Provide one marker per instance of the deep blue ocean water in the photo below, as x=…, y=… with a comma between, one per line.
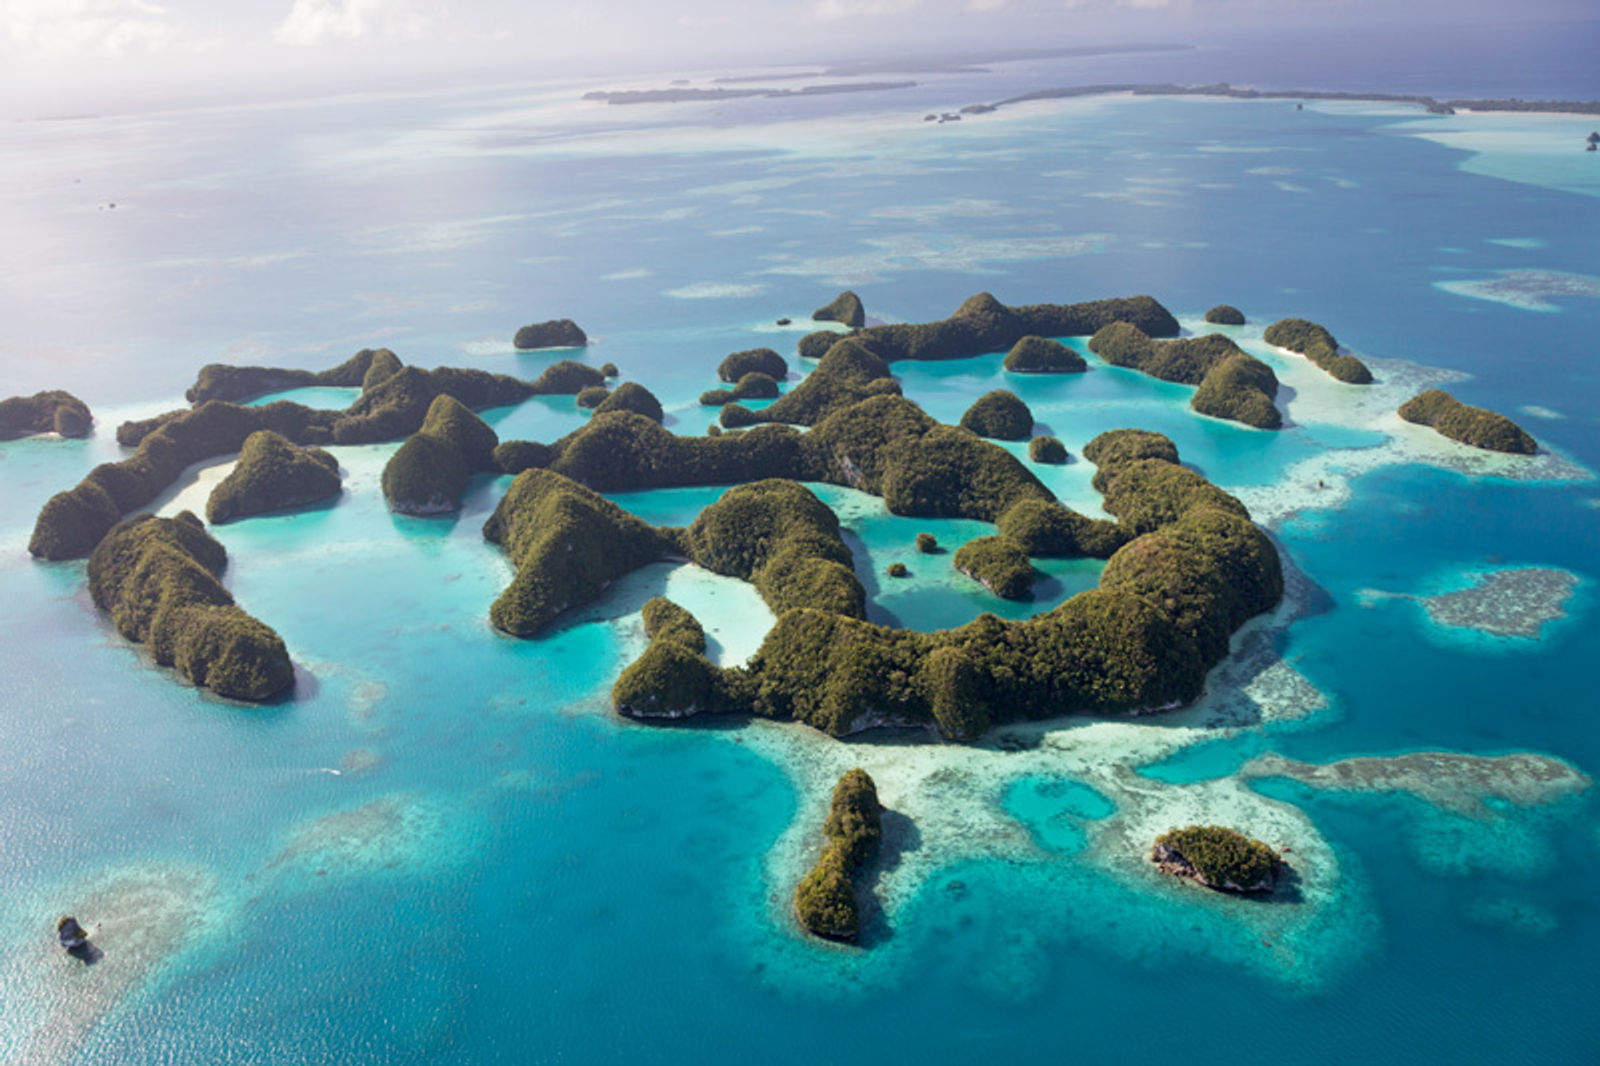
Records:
x=501, y=870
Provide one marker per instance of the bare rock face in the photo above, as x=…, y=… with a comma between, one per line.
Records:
x=556, y=333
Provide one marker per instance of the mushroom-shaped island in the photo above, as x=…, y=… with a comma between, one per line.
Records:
x=631, y=396
x=1000, y=415
x=273, y=474
x=556, y=333
x=1225, y=315
x=54, y=411
x=1047, y=450
x=754, y=361
x=591, y=397
x=1040, y=355
x=1219, y=858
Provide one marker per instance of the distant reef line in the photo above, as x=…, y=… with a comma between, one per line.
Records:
x=679, y=94
x=1431, y=104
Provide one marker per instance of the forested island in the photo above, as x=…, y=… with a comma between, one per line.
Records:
x=1185, y=565
x=826, y=900
x=54, y=411
x=159, y=580
x=1470, y=425
x=1218, y=858
x=273, y=474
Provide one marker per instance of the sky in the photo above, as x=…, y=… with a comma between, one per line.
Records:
x=57, y=55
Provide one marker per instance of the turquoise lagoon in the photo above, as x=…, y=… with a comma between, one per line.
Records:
x=444, y=848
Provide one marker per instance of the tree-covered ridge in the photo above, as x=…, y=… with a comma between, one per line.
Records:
x=825, y=899
x=673, y=678
x=273, y=474
x=394, y=403
x=236, y=384
x=885, y=445
x=430, y=471
x=753, y=386
x=847, y=374
x=783, y=540
x=1218, y=857
x=1196, y=569
x=159, y=580
x=1318, y=345
x=983, y=324
x=1232, y=384
x=567, y=544
x=1475, y=426
x=53, y=411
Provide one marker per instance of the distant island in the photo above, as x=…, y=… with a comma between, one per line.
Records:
x=686, y=95
x=1430, y=104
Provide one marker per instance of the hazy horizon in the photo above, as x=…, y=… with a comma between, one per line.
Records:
x=62, y=56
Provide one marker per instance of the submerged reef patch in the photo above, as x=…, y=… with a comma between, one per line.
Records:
x=1452, y=781
x=1506, y=603
x=1528, y=290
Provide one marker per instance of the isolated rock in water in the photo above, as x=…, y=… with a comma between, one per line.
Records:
x=71, y=934
x=845, y=308
x=557, y=333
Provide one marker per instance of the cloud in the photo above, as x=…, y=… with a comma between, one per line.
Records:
x=833, y=10
x=314, y=22
x=87, y=27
